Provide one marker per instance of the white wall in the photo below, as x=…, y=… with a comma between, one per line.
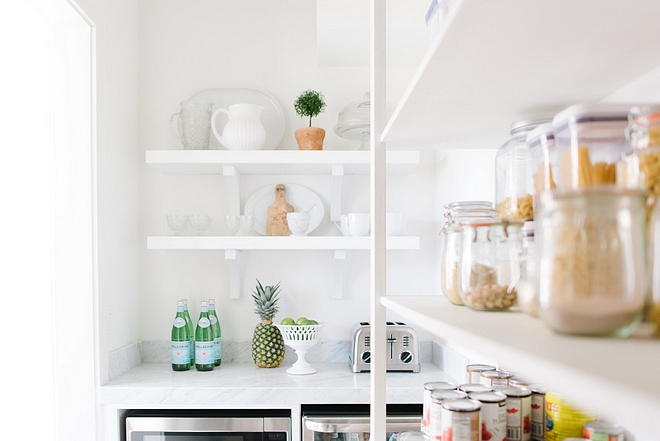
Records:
x=199, y=44
x=117, y=158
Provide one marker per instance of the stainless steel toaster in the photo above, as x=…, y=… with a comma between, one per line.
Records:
x=402, y=348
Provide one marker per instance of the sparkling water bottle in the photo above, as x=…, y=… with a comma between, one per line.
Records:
x=217, y=332
x=180, y=341
x=204, y=354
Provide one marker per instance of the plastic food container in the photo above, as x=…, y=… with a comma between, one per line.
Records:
x=490, y=265
x=591, y=261
x=513, y=184
x=541, y=144
x=596, y=430
x=589, y=141
x=456, y=214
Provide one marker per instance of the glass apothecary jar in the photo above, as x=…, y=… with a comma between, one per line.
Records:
x=456, y=214
x=490, y=265
x=589, y=141
x=541, y=144
x=513, y=184
x=590, y=259
x=527, y=285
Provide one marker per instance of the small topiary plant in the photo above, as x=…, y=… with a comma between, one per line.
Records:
x=309, y=104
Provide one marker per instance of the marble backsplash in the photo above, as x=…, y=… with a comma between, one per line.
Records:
x=326, y=351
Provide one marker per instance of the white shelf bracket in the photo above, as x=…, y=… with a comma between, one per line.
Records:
x=335, y=192
x=338, y=269
x=234, y=259
x=233, y=177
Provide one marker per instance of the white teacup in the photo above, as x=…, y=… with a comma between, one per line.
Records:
x=343, y=225
x=393, y=224
x=298, y=223
x=359, y=224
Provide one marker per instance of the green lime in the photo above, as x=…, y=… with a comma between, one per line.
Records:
x=300, y=320
x=309, y=323
x=288, y=321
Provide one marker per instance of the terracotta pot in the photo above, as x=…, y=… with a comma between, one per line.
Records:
x=310, y=138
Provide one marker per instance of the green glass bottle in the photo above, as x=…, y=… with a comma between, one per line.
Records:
x=191, y=330
x=204, y=354
x=180, y=341
x=217, y=332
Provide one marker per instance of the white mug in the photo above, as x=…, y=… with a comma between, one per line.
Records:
x=343, y=225
x=393, y=223
x=359, y=224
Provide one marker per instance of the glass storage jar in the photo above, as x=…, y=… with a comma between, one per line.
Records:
x=527, y=285
x=513, y=183
x=590, y=259
x=589, y=141
x=541, y=144
x=490, y=264
x=456, y=214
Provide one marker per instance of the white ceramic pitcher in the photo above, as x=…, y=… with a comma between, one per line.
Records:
x=244, y=130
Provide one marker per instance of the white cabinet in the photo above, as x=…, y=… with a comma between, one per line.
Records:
x=493, y=63
x=234, y=164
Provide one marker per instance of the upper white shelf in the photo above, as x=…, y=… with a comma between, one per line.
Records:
x=498, y=62
x=284, y=162
x=275, y=243
x=616, y=378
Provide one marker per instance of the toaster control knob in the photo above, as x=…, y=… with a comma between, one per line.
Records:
x=366, y=357
x=406, y=357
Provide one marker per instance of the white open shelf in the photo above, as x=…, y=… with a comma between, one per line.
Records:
x=498, y=62
x=245, y=243
x=281, y=162
x=616, y=378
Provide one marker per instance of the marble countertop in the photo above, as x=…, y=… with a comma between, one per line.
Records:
x=246, y=385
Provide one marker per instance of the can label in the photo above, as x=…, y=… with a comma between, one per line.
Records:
x=460, y=426
x=538, y=417
x=435, y=421
x=518, y=418
x=179, y=322
x=180, y=352
x=563, y=420
x=217, y=348
x=426, y=412
x=493, y=421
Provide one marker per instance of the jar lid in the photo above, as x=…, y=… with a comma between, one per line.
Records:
x=603, y=427
x=438, y=396
x=528, y=124
x=479, y=367
x=439, y=385
x=411, y=436
x=474, y=387
x=488, y=397
x=595, y=112
x=468, y=204
x=518, y=382
x=542, y=133
x=494, y=223
x=496, y=374
x=355, y=118
x=462, y=405
x=517, y=392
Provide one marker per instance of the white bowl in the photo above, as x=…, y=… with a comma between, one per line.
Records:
x=298, y=223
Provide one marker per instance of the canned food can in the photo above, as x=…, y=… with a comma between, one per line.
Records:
x=474, y=371
x=518, y=382
x=538, y=413
x=437, y=398
x=426, y=406
x=518, y=413
x=474, y=387
x=563, y=420
x=493, y=415
x=461, y=420
x=601, y=431
x=495, y=379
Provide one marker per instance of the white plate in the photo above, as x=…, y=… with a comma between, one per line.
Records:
x=272, y=117
x=296, y=195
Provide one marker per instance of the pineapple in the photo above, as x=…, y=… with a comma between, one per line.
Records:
x=267, y=342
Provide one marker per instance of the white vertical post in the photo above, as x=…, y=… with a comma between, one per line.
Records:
x=378, y=209
x=233, y=176
x=335, y=192
x=234, y=259
x=338, y=268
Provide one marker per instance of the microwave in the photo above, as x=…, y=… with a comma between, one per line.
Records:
x=208, y=425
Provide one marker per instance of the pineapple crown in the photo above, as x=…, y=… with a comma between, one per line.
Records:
x=265, y=298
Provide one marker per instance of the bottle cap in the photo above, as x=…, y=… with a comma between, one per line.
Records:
x=184, y=301
x=211, y=301
x=204, y=303
x=179, y=303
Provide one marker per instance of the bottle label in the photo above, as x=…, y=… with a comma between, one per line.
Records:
x=213, y=319
x=180, y=352
x=204, y=322
x=179, y=322
x=217, y=348
x=204, y=353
